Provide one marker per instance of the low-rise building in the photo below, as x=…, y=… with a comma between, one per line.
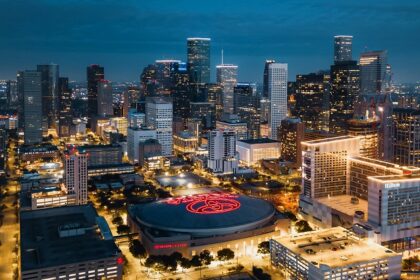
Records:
x=70, y=242
x=253, y=150
x=333, y=253
x=185, y=142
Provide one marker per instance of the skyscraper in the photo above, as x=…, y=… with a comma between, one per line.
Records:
x=277, y=94
x=373, y=76
x=159, y=116
x=66, y=114
x=50, y=94
x=345, y=87
x=342, y=48
x=406, y=136
x=312, y=100
x=222, y=151
x=76, y=174
x=291, y=134
x=181, y=90
x=32, y=106
x=227, y=77
x=265, y=77
x=198, y=53
x=95, y=73
x=247, y=107
x=105, y=107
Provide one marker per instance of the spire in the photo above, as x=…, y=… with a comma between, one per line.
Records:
x=222, y=56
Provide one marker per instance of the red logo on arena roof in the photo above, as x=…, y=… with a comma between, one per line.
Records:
x=209, y=203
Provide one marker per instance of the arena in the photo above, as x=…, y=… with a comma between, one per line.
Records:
x=212, y=221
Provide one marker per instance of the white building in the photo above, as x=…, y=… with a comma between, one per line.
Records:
x=277, y=94
x=159, y=116
x=76, y=175
x=227, y=76
x=394, y=210
x=253, y=150
x=333, y=253
x=222, y=151
x=134, y=137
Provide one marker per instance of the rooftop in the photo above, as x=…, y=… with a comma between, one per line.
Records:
x=335, y=247
x=328, y=140
x=258, y=141
x=343, y=204
x=64, y=235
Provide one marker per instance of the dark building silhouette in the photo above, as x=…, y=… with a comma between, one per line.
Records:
x=65, y=113
x=247, y=107
x=50, y=94
x=198, y=54
x=95, y=73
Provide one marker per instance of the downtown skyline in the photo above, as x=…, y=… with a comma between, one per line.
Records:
x=126, y=38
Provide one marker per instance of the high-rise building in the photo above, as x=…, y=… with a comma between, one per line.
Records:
x=265, y=77
x=342, y=48
x=76, y=174
x=213, y=93
x=198, y=53
x=136, y=119
x=406, y=135
x=12, y=94
x=159, y=116
x=368, y=132
x=325, y=169
x=66, y=113
x=148, y=81
x=312, y=100
x=21, y=98
x=182, y=92
x=102, y=154
x=373, y=77
x=277, y=94
x=222, y=156
x=32, y=106
x=95, y=73
x=291, y=134
x=205, y=112
x=50, y=94
x=345, y=87
x=227, y=77
x=247, y=106
x=105, y=107
x=232, y=122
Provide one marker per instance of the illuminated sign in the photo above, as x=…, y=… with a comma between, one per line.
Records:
x=120, y=260
x=392, y=185
x=209, y=203
x=170, y=246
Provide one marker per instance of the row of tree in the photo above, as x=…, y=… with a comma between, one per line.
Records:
x=171, y=262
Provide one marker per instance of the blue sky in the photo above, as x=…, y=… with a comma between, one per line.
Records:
x=126, y=35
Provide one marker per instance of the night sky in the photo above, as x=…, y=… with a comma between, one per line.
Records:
x=126, y=35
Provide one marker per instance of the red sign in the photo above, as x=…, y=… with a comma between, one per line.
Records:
x=170, y=246
x=209, y=203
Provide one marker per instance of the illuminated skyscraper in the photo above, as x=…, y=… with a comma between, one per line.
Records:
x=227, y=77
x=50, y=94
x=265, y=78
x=159, y=116
x=312, y=100
x=247, y=107
x=76, y=174
x=368, y=132
x=342, y=48
x=277, y=94
x=198, y=53
x=345, y=87
x=105, y=107
x=32, y=106
x=291, y=134
x=406, y=136
x=95, y=73
x=66, y=114
x=373, y=76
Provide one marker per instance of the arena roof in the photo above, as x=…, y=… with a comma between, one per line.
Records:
x=204, y=214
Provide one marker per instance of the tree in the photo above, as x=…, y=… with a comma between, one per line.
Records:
x=225, y=254
x=205, y=257
x=410, y=263
x=137, y=249
x=264, y=248
x=195, y=261
x=185, y=263
x=117, y=220
x=259, y=273
x=123, y=229
x=302, y=226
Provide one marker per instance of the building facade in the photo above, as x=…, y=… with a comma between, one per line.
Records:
x=277, y=94
x=198, y=54
x=222, y=157
x=159, y=116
